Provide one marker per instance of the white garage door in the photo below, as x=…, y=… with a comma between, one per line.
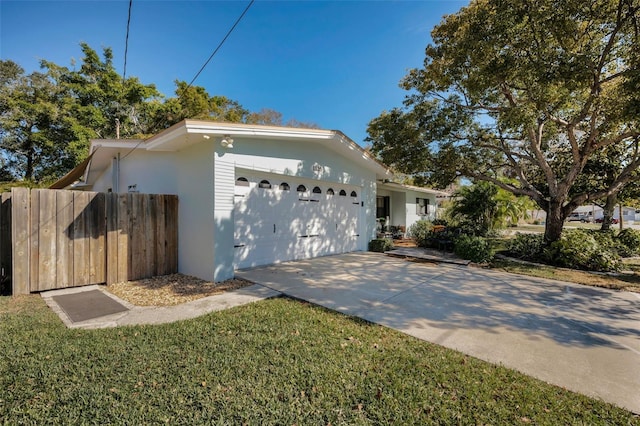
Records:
x=279, y=219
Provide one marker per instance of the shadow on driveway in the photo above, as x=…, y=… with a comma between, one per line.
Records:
x=582, y=338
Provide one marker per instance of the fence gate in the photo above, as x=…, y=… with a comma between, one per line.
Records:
x=5, y=242
x=73, y=238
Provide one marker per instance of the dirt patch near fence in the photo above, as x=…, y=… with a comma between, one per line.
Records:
x=173, y=289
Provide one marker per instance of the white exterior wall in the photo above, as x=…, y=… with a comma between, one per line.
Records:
x=287, y=158
x=397, y=200
x=104, y=182
x=412, y=217
x=295, y=158
x=203, y=176
x=368, y=218
x=223, y=193
x=196, y=233
x=398, y=209
x=151, y=172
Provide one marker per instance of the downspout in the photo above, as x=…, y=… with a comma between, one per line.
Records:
x=115, y=174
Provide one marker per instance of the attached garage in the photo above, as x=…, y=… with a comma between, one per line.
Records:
x=280, y=218
x=249, y=195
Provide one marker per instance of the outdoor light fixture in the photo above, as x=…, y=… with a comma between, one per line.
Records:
x=226, y=142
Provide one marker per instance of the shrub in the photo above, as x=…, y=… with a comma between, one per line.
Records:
x=526, y=246
x=420, y=232
x=475, y=249
x=628, y=242
x=380, y=245
x=442, y=222
x=606, y=239
x=580, y=249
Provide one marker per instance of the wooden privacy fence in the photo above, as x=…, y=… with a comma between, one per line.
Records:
x=65, y=239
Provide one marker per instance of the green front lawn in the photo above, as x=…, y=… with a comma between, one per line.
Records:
x=628, y=280
x=279, y=361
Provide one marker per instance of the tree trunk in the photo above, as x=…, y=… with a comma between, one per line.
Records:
x=607, y=211
x=30, y=154
x=621, y=211
x=555, y=222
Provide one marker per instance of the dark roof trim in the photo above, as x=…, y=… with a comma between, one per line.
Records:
x=74, y=174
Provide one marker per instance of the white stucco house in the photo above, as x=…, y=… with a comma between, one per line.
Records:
x=253, y=195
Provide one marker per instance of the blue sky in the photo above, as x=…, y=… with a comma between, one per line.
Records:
x=336, y=64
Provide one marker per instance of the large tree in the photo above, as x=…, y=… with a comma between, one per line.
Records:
x=103, y=101
x=34, y=124
x=527, y=89
x=48, y=117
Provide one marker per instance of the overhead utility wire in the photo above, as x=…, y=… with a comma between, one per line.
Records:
x=203, y=66
x=124, y=71
x=221, y=43
x=124, y=75
x=126, y=43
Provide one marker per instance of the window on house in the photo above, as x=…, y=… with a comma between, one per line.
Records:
x=343, y=193
x=330, y=191
x=241, y=181
x=422, y=206
x=301, y=193
x=315, y=194
x=264, y=184
x=284, y=186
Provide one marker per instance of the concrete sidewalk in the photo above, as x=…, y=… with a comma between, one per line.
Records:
x=158, y=315
x=582, y=338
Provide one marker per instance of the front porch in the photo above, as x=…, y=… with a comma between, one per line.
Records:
x=400, y=206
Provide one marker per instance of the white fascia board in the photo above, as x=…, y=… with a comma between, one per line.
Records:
x=117, y=143
x=353, y=151
x=392, y=186
x=181, y=135
x=247, y=130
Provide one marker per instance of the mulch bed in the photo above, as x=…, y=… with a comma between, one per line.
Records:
x=173, y=289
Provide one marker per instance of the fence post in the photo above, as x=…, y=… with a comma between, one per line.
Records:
x=5, y=237
x=20, y=233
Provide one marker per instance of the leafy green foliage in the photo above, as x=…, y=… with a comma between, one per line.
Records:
x=483, y=207
x=278, y=361
x=474, y=207
x=421, y=232
x=34, y=125
x=380, y=245
x=473, y=248
x=580, y=249
x=526, y=246
x=629, y=242
x=592, y=250
x=48, y=118
x=539, y=94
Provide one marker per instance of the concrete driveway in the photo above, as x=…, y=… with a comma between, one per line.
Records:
x=582, y=338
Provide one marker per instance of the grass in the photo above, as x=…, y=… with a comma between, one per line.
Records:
x=278, y=361
x=628, y=281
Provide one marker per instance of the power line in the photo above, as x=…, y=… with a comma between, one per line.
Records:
x=201, y=69
x=126, y=43
x=221, y=43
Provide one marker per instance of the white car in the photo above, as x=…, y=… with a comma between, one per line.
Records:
x=580, y=217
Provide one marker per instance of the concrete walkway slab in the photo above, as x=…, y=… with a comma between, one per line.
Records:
x=157, y=315
x=582, y=338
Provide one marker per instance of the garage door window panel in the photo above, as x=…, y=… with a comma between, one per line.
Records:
x=286, y=220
